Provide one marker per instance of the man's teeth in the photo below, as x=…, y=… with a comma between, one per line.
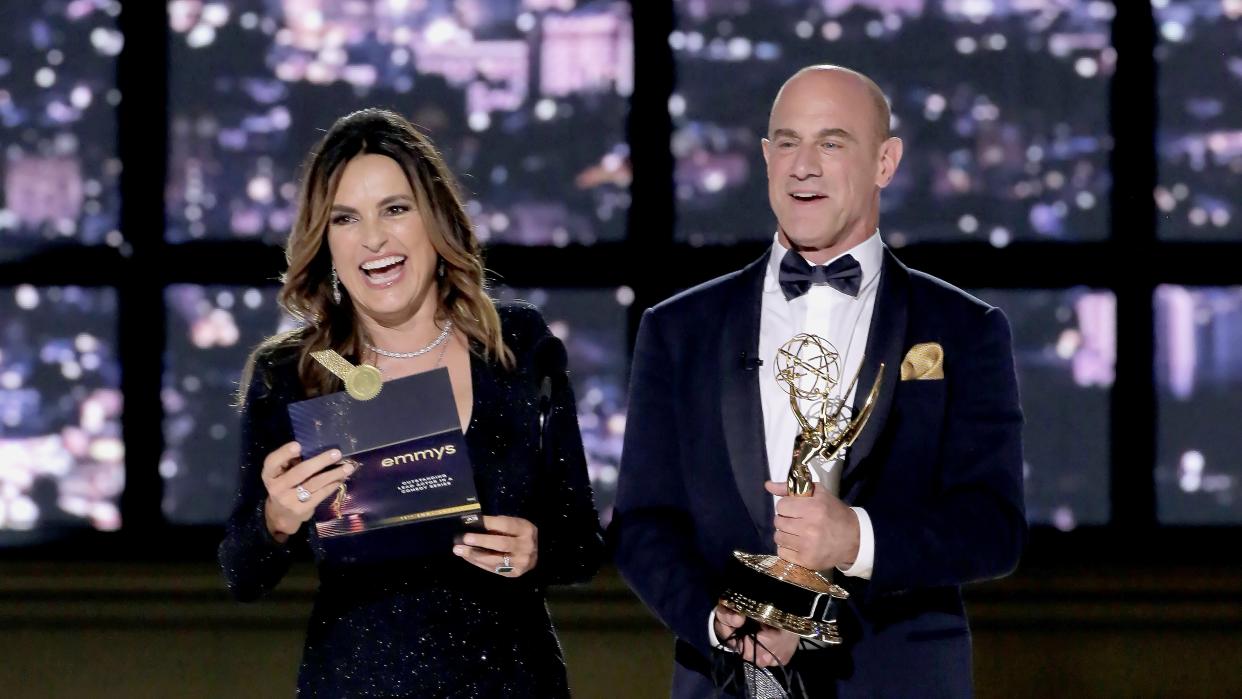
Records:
x=805, y=197
x=382, y=262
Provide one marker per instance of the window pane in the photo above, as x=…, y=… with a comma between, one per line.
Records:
x=1200, y=131
x=62, y=461
x=528, y=106
x=1065, y=344
x=592, y=323
x=1199, y=377
x=1003, y=109
x=211, y=332
x=58, y=102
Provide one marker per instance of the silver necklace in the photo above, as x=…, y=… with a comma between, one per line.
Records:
x=448, y=328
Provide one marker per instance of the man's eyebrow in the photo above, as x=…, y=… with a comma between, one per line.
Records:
x=823, y=133
x=836, y=133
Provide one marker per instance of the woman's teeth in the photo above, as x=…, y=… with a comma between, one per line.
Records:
x=383, y=270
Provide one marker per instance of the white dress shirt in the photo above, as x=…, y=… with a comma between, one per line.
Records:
x=843, y=321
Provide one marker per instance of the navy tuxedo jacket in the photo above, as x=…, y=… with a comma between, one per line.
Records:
x=938, y=469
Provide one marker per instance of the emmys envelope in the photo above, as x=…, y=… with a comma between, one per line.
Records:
x=412, y=489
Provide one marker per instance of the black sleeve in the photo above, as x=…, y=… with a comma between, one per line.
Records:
x=251, y=560
x=571, y=545
x=651, y=530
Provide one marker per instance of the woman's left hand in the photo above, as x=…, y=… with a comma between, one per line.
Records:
x=510, y=547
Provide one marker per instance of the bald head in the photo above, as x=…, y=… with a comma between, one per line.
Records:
x=828, y=155
x=849, y=83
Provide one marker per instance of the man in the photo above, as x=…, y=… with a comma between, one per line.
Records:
x=928, y=498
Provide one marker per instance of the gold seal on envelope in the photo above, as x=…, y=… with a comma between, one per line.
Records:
x=362, y=382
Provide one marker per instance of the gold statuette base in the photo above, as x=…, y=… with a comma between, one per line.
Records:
x=823, y=631
x=784, y=595
x=780, y=569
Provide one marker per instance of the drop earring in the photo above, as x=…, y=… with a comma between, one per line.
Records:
x=336, y=287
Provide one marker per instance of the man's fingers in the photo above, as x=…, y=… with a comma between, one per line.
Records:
x=793, y=530
x=763, y=649
x=792, y=555
x=778, y=489
x=788, y=541
x=798, y=508
x=745, y=647
x=756, y=653
x=780, y=644
x=728, y=617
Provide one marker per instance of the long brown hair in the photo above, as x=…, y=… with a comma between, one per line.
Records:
x=306, y=292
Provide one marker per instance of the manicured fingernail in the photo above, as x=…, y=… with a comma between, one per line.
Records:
x=335, y=455
x=349, y=468
x=459, y=550
x=468, y=540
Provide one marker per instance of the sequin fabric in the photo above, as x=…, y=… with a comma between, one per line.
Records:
x=437, y=626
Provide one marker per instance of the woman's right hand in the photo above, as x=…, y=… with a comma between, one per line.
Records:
x=284, y=474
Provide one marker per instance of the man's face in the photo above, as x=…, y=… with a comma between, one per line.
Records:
x=826, y=161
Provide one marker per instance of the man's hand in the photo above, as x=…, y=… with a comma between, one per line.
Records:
x=774, y=647
x=817, y=531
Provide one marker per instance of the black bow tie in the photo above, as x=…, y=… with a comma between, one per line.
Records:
x=797, y=276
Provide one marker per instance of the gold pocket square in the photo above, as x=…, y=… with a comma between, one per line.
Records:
x=924, y=362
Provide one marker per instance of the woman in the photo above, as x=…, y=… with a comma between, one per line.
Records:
x=385, y=269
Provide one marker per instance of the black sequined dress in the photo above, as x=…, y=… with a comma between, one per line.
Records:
x=436, y=627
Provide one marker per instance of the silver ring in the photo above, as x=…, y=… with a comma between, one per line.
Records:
x=505, y=567
x=303, y=494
